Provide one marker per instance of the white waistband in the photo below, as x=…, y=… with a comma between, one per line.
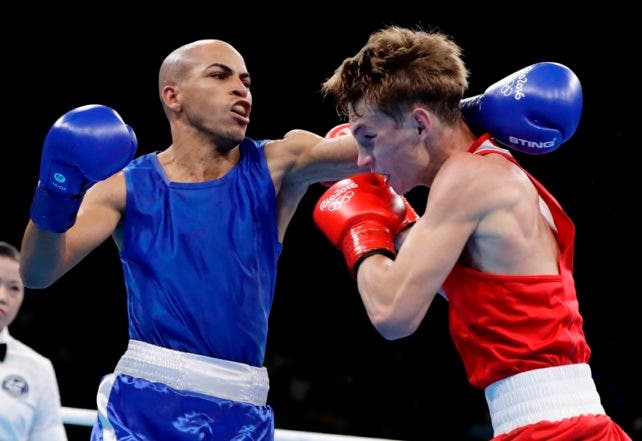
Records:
x=196, y=373
x=550, y=394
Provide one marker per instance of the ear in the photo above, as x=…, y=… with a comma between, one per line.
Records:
x=422, y=118
x=169, y=95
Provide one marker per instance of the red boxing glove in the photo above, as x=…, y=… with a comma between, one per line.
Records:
x=411, y=216
x=361, y=215
x=340, y=130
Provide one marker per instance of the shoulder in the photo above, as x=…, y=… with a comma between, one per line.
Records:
x=484, y=170
x=252, y=144
x=478, y=182
x=283, y=155
x=292, y=144
x=140, y=160
x=111, y=191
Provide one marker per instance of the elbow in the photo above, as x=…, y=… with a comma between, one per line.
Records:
x=38, y=285
x=393, y=333
x=392, y=328
x=35, y=281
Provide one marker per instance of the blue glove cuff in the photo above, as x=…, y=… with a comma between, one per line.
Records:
x=54, y=211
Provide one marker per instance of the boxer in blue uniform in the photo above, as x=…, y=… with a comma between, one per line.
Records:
x=199, y=227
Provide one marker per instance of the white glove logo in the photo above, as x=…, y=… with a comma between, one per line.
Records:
x=516, y=84
x=338, y=199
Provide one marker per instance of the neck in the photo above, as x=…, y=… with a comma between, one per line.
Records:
x=197, y=163
x=446, y=141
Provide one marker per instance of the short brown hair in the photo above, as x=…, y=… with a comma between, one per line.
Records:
x=399, y=68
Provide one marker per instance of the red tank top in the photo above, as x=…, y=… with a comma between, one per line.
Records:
x=506, y=324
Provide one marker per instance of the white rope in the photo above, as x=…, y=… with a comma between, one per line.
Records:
x=86, y=417
x=78, y=417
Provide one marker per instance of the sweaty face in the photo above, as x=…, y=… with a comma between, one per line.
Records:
x=11, y=291
x=387, y=147
x=215, y=92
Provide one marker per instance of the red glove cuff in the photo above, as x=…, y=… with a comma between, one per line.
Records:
x=364, y=239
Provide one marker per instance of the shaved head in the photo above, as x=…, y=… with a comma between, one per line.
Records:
x=181, y=60
x=191, y=58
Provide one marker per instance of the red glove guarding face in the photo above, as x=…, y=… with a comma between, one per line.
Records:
x=339, y=130
x=361, y=215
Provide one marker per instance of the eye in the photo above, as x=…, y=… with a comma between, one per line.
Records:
x=13, y=290
x=367, y=138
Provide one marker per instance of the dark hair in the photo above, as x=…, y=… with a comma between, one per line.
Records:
x=8, y=250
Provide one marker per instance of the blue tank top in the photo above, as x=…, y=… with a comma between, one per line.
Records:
x=200, y=259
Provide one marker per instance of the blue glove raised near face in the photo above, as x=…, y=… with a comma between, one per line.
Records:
x=85, y=145
x=534, y=110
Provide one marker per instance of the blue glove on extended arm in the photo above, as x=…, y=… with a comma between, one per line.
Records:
x=533, y=110
x=85, y=145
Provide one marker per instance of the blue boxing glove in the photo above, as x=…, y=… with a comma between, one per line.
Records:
x=85, y=145
x=534, y=110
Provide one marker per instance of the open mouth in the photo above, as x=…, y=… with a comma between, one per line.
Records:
x=240, y=110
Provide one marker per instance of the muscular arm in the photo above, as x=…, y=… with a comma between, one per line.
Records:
x=397, y=293
x=302, y=158
x=46, y=256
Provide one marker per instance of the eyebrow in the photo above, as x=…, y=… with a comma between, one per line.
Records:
x=228, y=70
x=356, y=127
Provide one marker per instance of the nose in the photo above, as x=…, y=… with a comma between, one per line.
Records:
x=364, y=159
x=240, y=89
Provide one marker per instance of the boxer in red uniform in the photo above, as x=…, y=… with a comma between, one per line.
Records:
x=492, y=239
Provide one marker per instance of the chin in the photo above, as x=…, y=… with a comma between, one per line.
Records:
x=236, y=136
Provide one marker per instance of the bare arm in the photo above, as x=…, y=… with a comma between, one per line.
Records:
x=46, y=256
x=302, y=158
x=397, y=293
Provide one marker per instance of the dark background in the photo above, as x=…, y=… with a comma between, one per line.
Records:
x=329, y=369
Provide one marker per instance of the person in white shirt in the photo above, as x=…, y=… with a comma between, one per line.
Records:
x=29, y=395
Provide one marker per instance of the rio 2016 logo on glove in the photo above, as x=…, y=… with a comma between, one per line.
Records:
x=516, y=85
x=337, y=200
x=534, y=110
